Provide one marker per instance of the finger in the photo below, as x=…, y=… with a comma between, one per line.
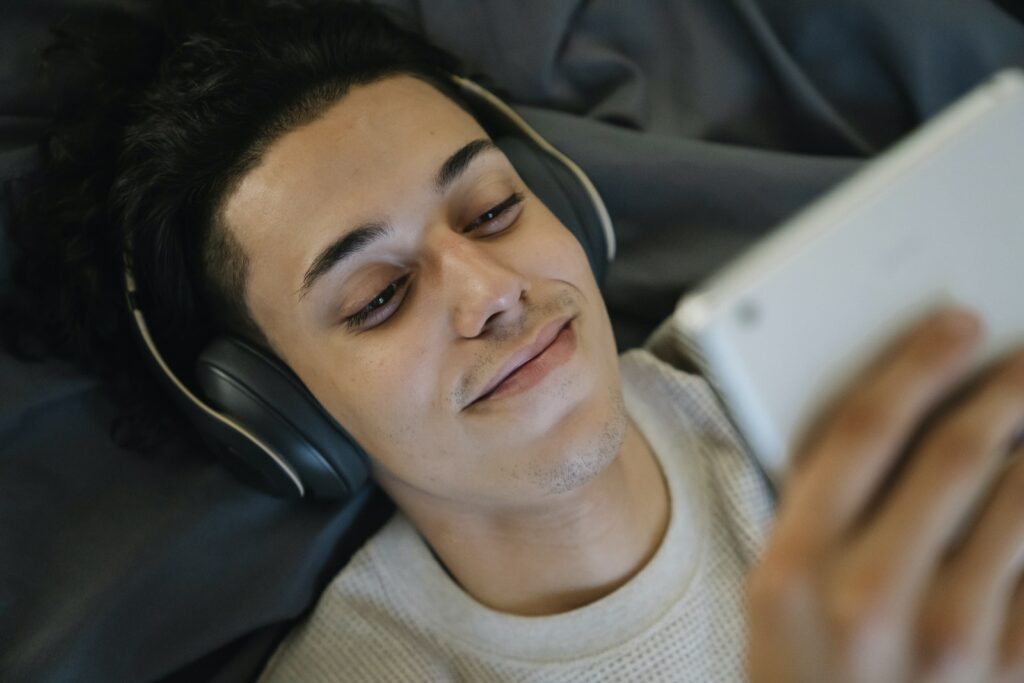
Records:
x=1011, y=665
x=944, y=479
x=988, y=564
x=857, y=444
x=962, y=622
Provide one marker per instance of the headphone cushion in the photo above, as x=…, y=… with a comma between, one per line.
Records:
x=238, y=378
x=561, y=191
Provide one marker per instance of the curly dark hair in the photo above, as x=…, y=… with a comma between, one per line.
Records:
x=180, y=105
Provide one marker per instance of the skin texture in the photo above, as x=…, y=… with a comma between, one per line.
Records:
x=535, y=503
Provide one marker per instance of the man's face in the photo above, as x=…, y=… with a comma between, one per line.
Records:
x=451, y=279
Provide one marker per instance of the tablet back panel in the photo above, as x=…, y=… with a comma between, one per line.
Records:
x=937, y=219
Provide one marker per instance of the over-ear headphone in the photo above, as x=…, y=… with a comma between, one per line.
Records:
x=256, y=413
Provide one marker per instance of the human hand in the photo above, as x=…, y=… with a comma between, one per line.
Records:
x=864, y=576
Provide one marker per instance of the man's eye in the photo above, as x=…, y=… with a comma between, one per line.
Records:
x=378, y=310
x=497, y=218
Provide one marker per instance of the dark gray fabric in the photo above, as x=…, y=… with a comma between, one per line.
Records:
x=702, y=123
x=117, y=567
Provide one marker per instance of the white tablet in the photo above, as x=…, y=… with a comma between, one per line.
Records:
x=937, y=219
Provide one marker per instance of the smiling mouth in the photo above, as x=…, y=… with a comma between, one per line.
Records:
x=554, y=345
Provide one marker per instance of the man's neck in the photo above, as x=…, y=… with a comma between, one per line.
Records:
x=565, y=555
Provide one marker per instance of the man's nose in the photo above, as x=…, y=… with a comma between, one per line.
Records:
x=481, y=290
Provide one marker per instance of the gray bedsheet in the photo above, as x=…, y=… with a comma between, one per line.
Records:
x=702, y=123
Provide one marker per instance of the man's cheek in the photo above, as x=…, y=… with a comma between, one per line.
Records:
x=564, y=259
x=397, y=415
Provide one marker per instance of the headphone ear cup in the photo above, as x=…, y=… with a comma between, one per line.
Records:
x=267, y=398
x=555, y=185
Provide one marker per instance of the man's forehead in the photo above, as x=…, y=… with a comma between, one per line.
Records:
x=364, y=156
x=376, y=140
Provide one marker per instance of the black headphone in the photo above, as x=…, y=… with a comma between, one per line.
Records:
x=256, y=413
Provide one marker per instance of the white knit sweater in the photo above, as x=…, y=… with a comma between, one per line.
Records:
x=393, y=614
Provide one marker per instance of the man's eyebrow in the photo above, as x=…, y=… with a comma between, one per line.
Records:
x=453, y=167
x=340, y=249
x=363, y=236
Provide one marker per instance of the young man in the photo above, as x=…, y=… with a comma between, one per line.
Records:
x=564, y=513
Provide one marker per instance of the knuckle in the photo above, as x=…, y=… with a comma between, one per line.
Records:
x=958, y=446
x=858, y=606
x=863, y=415
x=774, y=586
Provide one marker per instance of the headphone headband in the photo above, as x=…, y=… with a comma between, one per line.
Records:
x=512, y=116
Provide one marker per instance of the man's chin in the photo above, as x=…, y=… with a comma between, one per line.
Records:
x=586, y=460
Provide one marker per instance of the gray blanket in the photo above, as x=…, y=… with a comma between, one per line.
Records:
x=702, y=123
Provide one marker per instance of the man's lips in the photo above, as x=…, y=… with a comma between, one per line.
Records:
x=542, y=340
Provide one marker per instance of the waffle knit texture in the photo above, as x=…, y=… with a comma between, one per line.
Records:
x=393, y=614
